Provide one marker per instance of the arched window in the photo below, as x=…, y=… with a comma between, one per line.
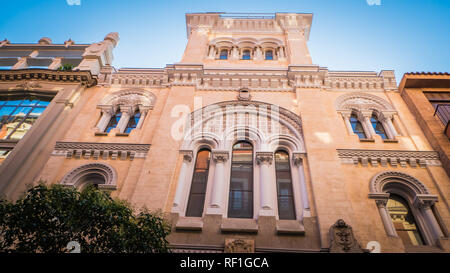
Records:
x=223, y=54
x=198, y=186
x=246, y=54
x=100, y=175
x=269, y=55
x=240, y=202
x=113, y=121
x=285, y=196
x=403, y=220
x=378, y=127
x=357, y=126
x=133, y=122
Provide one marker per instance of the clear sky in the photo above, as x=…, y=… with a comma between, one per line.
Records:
x=404, y=35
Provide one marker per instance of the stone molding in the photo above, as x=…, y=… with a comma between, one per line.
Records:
x=220, y=156
x=83, y=77
x=377, y=183
x=239, y=246
x=264, y=157
x=107, y=172
x=104, y=151
x=392, y=157
x=187, y=155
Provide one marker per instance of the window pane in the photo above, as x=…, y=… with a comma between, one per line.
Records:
x=357, y=126
x=223, y=54
x=378, y=127
x=199, y=182
x=132, y=123
x=113, y=122
x=269, y=55
x=404, y=221
x=286, y=207
x=240, y=203
x=246, y=55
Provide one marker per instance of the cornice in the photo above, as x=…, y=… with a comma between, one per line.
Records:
x=393, y=157
x=95, y=150
x=83, y=77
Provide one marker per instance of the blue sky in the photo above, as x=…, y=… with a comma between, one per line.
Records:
x=404, y=35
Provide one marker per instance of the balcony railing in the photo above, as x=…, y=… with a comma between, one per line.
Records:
x=443, y=113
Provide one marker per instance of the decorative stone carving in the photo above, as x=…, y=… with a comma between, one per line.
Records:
x=28, y=85
x=378, y=182
x=83, y=77
x=264, y=157
x=95, y=150
x=239, y=246
x=78, y=175
x=342, y=239
x=220, y=156
x=297, y=158
x=187, y=155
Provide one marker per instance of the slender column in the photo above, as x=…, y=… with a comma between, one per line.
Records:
x=424, y=203
x=387, y=123
x=297, y=158
x=181, y=192
x=234, y=54
x=107, y=113
x=127, y=111
x=367, y=114
x=381, y=200
x=219, y=158
x=264, y=160
x=143, y=110
x=346, y=116
x=258, y=53
x=212, y=52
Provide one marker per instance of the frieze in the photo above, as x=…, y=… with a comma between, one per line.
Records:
x=94, y=150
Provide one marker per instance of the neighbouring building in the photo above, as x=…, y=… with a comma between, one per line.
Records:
x=245, y=143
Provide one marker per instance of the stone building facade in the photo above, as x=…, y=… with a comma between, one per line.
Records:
x=245, y=143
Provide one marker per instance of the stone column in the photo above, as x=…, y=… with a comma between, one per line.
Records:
x=381, y=200
x=212, y=52
x=107, y=113
x=388, y=126
x=181, y=192
x=258, y=53
x=219, y=158
x=127, y=112
x=264, y=160
x=143, y=110
x=366, y=115
x=424, y=202
x=297, y=158
x=234, y=53
x=346, y=116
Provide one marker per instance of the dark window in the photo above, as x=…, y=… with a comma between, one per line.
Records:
x=357, y=126
x=404, y=221
x=378, y=127
x=223, y=54
x=113, y=121
x=17, y=115
x=240, y=204
x=132, y=123
x=286, y=207
x=198, y=187
x=246, y=55
x=269, y=55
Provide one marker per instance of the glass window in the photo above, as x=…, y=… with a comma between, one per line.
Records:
x=378, y=127
x=269, y=55
x=246, y=55
x=18, y=114
x=198, y=187
x=286, y=207
x=240, y=203
x=357, y=126
x=223, y=54
x=113, y=121
x=404, y=221
x=132, y=123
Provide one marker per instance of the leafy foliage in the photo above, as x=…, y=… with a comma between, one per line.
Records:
x=46, y=219
x=66, y=67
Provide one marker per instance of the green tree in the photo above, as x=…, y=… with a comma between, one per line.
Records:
x=47, y=218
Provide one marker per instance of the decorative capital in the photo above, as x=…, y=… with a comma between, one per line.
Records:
x=346, y=113
x=425, y=201
x=264, y=158
x=381, y=199
x=366, y=113
x=297, y=158
x=220, y=156
x=187, y=155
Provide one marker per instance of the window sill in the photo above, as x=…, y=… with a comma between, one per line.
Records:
x=390, y=140
x=189, y=223
x=291, y=227
x=122, y=134
x=366, y=140
x=239, y=225
x=423, y=249
x=101, y=134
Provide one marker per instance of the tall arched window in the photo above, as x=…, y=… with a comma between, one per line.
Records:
x=269, y=55
x=378, y=127
x=223, y=54
x=113, y=121
x=357, y=126
x=198, y=187
x=403, y=220
x=133, y=122
x=240, y=202
x=246, y=55
x=285, y=196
